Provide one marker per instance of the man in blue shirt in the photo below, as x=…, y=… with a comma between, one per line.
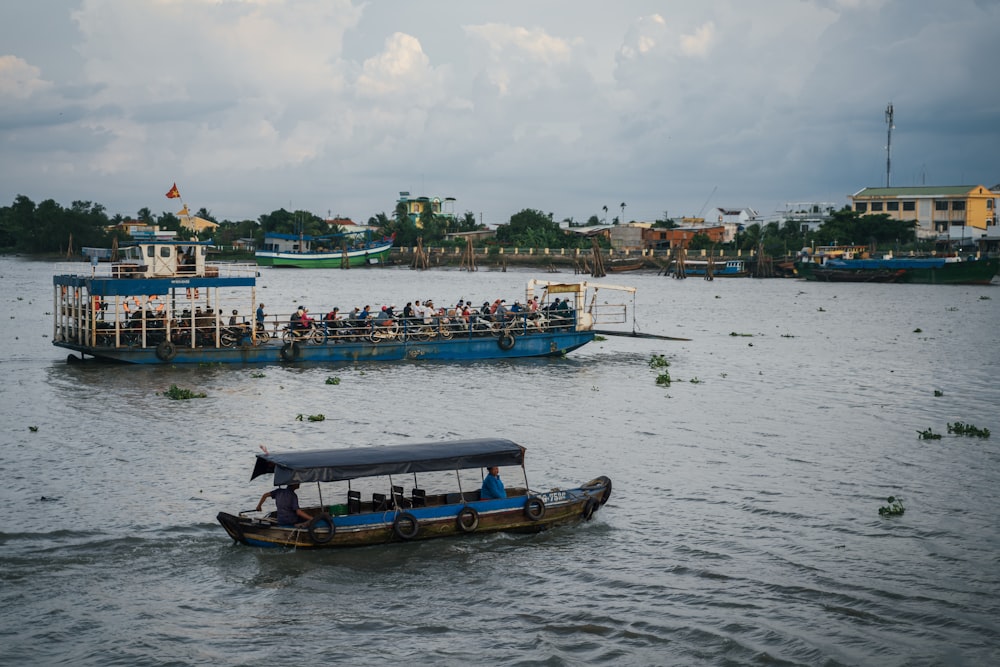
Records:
x=493, y=486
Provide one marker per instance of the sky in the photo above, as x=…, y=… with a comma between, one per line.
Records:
x=673, y=108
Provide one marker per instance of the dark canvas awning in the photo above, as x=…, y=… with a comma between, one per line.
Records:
x=330, y=465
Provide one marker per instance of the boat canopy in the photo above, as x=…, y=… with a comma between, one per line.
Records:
x=331, y=465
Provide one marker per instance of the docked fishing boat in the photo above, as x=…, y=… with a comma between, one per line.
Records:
x=624, y=265
x=321, y=252
x=731, y=268
x=164, y=303
x=889, y=269
x=360, y=497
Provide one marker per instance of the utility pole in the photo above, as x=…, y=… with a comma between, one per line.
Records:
x=888, y=144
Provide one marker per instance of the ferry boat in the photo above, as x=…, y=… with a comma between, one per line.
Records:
x=164, y=303
x=321, y=252
x=441, y=503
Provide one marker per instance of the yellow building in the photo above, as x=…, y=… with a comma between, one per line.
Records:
x=954, y=211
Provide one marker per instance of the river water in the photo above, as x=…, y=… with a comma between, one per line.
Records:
x=743, y=527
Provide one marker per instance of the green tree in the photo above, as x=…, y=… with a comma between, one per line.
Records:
x=531, y=229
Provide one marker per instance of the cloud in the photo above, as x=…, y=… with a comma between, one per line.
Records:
x=19, y=80
x=339, y=104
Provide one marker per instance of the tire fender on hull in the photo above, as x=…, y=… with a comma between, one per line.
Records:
x=406, y=526
x=534, y=508
x=290, y=351
x=166, y=351
x=467, y=519
x=319, y=535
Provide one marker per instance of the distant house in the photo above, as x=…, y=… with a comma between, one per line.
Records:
x=629, y=236
x=734, y=220
x=679, y=237
x=442, y=206
x=809, y=216
x=942, y=212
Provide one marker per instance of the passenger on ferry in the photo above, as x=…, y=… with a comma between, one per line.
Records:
x=492, y=485
x=260, y=314
x=408, y=310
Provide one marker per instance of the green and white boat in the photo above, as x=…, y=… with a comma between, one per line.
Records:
x=335, y=251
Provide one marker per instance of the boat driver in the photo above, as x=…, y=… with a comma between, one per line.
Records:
x=287, y=501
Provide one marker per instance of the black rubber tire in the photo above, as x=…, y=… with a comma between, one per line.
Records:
x=406, y=526
x=472, y=524
x=601, y=481
x=534, y=508
x=166, y=351
x=318, y=337
x=589, y=508
x=290, y=351
x=324, y=537
x=506, y=342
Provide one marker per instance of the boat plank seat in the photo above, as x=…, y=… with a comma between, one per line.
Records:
x=398, y=500
x=418, y=497
x=379, y=502
x=354, y=502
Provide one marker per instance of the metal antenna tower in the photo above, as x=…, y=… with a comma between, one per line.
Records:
x=888, y=144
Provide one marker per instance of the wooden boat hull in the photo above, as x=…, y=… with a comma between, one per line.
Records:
x=519, y=514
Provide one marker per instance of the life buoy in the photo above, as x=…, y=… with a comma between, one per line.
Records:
x=193, y=291
x=467, y=519
x=290, y=351
x=589, y=508
x=506, y=341
x=321, y=536
x=166, y=350
x=534, y=508
x=405, y=526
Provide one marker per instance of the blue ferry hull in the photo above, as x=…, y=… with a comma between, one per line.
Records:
x=459, y=348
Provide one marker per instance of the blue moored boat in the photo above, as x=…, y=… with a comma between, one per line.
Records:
x=165, y=304
x=394, y=515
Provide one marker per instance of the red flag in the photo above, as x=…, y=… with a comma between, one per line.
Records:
x=174, y=193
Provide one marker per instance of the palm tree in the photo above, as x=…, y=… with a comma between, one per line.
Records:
x=605, y=214
x=623, y=212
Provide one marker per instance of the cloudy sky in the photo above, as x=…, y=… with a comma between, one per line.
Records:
x=565, y=106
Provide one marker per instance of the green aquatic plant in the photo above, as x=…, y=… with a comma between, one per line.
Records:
x=918, y=330
x=938, y=393
x=312, y=418
x=694, y=380
x=258, y=374
x=894, y=508
x=744, y=335
x=929, y=435
x=333, y=380
x=658, y=361
x=958, y=428
x=175, y=393
x=600, y=339
x=984, y=298
x=663, y=379
x=33, y=429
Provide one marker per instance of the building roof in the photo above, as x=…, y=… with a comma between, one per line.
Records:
x=918, y=191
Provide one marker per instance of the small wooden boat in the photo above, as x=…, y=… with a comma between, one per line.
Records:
x=621, y=266
x=391, y=515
